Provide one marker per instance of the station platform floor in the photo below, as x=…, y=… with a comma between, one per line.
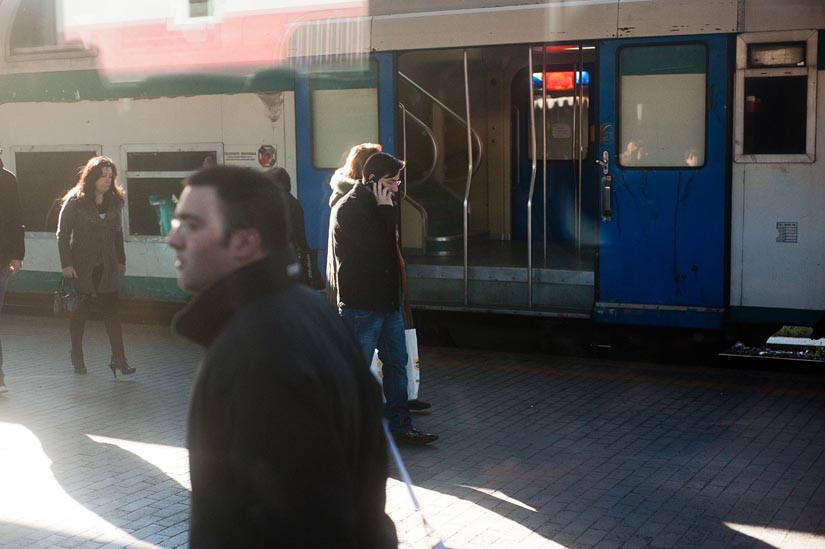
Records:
x=536, y=451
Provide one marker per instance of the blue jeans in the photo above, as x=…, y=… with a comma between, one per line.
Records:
x=385, y=332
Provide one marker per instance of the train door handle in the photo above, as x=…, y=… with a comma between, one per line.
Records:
x=604, y=162
x=607, y=186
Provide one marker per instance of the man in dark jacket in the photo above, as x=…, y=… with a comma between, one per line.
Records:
x=369, y=278
x=12, y=240
x=285, y=440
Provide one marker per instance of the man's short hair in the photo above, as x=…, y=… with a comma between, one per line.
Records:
x=381, y=165
x=248, y=199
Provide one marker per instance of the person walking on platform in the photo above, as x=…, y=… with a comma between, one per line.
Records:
x=306, y=259
x=286, y=447
x=12, y=240
x=341, y=182
x=369, y=277
x=92, y=255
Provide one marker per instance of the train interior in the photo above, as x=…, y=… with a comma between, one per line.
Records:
x=531, y=200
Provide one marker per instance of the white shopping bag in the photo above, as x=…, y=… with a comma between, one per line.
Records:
x=413, y=372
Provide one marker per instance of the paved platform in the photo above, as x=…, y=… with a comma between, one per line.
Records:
x=536, y=451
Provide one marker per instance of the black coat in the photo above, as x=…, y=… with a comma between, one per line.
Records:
x=362, y=241
x=12, y=232
x=286, y=447
x=84, y=241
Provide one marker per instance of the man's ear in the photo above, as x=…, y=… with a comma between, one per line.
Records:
x=245, y=245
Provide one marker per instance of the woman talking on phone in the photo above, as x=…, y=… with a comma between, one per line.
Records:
x=92, y=255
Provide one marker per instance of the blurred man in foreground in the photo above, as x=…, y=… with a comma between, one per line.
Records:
x=285, y=442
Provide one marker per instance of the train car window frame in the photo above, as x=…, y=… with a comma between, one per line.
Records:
x=320, y=125
x=744, y=73
x=51, y=44
x=558, y=130
x=691, y=147
x=53, y=210
x=131, y=179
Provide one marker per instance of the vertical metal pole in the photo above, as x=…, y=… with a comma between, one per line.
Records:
x=574, y=155
x=544, y=140
x=469, y=180
x=404, y=144
x=583, y=129
x=532, y=182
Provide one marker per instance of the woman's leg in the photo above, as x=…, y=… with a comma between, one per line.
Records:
x=77, y=324
x=108, y=309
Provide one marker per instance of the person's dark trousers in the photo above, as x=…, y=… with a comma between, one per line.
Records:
x=385, y=332
x=4, y=282
x=107, y=305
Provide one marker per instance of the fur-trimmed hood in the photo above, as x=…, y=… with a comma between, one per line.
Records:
x=340, y=185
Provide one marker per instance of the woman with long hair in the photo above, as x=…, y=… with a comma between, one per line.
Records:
x=345, y=177
x=341, y=182
x=92, y=255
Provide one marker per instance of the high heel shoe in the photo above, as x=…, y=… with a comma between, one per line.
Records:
x=78, y=363
x=120, y=364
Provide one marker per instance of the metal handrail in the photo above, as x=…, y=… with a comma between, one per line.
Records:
x=430, y=135
x=581, y=151
x=532, y=184
x=517, y=118
x=418, y=207
x=424, y=221
x=404, y=145
x=434, y=99
x=544, y=142
x=470, y=171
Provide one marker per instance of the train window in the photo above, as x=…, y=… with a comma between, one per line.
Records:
x=662, y=105
x=200, y=8
x=37, y=29
x=344, y=106
x=774, y=118
x=776, y=55
x=154, y=180
x=775, y=101
x=44, y=176
x=562, y=115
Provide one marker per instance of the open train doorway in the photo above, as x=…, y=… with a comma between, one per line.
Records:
x=499, y=211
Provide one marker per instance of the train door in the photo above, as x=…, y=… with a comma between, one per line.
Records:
x=663, y=160
x=553, y=115
x=339, y=102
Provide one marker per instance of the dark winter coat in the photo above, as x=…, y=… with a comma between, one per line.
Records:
x=286, y=447
x=12, y=232
x=362, y=242
x=339, y=185
x=86, y=241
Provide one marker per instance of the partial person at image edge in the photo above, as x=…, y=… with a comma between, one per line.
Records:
x=286, y=447
x=12, y=240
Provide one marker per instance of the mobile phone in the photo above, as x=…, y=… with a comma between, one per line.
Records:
x=371, y=185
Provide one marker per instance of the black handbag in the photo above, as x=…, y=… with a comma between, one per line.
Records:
x=66, y=299
x=310, y=275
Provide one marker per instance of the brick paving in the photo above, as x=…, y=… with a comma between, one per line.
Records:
x=536, y=451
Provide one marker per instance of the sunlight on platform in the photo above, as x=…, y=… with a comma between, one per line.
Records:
x=781, y=539
x=442, y=510
x=501, y=496
x=33, y=498
x=172, y=460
